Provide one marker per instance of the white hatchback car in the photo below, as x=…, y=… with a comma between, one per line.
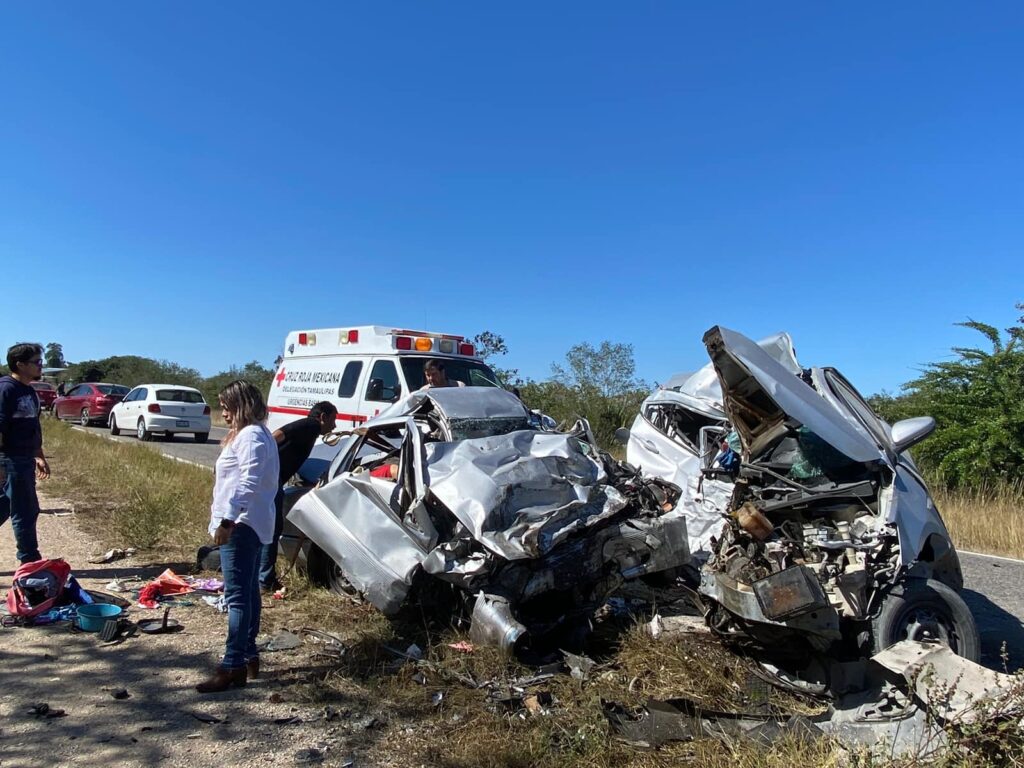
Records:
x=164, y=409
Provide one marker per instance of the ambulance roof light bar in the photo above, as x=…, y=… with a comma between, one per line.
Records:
x=406, y=332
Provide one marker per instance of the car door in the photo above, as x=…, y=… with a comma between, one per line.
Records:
x=381, y=388
x=139, y=406
x=131, y=412
x=71, y=405
x=120, y=412
x=377, y=531
x=703, y=499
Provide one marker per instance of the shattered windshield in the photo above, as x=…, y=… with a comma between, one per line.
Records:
x=465, y=429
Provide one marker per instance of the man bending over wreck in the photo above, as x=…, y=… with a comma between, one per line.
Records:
x=295, y=441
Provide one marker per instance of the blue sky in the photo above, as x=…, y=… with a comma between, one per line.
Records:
x=189, y=181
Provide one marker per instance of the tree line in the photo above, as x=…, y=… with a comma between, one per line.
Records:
x=977, y=401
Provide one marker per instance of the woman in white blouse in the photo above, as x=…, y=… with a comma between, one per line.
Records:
x=241, y=520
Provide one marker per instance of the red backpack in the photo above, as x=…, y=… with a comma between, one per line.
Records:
x=37, y=587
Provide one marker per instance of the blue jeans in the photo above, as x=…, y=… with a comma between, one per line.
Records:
x=239, y=562
x=268, y=552
x=19, y=503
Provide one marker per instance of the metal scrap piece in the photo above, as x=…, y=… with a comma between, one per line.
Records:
x=950, y=686
x=494, y=624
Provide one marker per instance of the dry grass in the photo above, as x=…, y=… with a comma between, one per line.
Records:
x=132, y=495
x=987, y=520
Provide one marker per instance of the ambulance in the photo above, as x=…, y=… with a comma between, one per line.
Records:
x=364, y=369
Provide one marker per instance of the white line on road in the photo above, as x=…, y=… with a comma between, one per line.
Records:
x=990, y=557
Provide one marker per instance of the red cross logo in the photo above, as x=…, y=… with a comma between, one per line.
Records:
x=280, y=377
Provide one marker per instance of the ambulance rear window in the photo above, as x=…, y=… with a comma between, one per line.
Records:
x=470, y=372
x=350, y=378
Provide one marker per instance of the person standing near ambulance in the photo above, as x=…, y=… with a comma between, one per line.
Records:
x=295, y=441
x=241, y=521
x=21, y=448
x=434, y=373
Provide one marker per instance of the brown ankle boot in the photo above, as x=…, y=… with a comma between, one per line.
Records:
x=252, y=668
x=222, y=680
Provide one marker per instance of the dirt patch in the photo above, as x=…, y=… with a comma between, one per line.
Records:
x=163, y=717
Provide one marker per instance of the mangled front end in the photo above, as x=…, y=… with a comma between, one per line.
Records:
x=534, y=529
x=807, y=546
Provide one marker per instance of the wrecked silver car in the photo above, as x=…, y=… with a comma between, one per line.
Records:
x=530, y=529
x=810, y=517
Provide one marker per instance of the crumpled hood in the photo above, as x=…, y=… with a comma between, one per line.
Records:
x=701, y=392
x=764, y=399
x=521, y=494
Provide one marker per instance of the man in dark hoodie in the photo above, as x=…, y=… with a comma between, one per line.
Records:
x=21, y=447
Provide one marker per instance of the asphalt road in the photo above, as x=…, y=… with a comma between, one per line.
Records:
x=181, y=447
x=993, y=586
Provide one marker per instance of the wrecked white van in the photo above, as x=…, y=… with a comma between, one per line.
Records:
x=820, y=528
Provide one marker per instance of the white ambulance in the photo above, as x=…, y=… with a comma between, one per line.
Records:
x=363, y=369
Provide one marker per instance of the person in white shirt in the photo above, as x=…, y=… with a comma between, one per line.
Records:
x=242, y=519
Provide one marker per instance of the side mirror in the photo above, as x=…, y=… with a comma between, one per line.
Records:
x=910, y=432
x=622, y=435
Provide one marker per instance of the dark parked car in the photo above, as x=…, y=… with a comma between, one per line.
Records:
x=87, y=403
x=46, y=393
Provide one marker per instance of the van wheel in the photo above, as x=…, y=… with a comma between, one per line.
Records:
x=202, y=437
x=324, y=572
x=141, y=432
x=113, y=426
x=926, y=609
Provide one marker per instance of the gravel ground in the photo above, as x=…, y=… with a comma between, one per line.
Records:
x=162, y=719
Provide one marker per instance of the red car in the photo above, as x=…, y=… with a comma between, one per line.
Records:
x=46, y=393
x=89, y=402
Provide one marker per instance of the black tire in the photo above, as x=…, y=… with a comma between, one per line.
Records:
x=926, y=609
x=324, y=572
x=201, y=437
x=114, y=430
x=83, y=418
x=141, y=432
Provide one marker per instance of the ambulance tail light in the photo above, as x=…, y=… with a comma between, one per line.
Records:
x=446, y=346
x=403, y=342
x=154, y=408
x=206, y=410
x=423, y=344
x=466, y=349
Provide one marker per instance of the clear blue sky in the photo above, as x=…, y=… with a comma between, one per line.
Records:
x=190, y=181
